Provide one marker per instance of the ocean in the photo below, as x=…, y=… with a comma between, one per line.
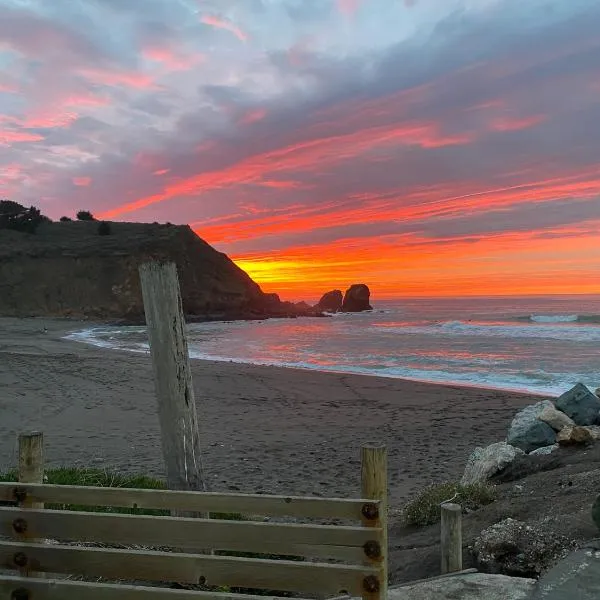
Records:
x=542, y=345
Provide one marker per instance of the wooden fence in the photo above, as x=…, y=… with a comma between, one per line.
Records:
x=40, y=546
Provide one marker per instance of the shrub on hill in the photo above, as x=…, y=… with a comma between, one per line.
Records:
x=18, y=218
x=85, y=215
x=425, y=509
x=104, y=228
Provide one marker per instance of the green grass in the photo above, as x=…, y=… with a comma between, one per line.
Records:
x=425, y=508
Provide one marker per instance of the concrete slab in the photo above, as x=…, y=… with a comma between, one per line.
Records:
x=577, y=577
x=471, y=586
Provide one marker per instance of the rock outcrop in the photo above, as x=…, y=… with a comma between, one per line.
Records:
x=581, y=405
x=68, y=270
x=485, y=462
x=527, y=432
x=331, y=301
x=356, y=298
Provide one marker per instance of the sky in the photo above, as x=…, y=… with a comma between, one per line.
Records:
x=424, y=147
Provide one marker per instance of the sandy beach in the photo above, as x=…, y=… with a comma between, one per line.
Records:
x=264, y=429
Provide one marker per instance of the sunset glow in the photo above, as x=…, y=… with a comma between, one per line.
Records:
x=423, y=147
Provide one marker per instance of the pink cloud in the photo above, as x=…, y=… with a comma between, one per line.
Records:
x=227, y=25
x=8, y=137
x=48, y=120
x=348, y=7
x=172, y=60
x=515, y=124
x=110, y=78
x=81, y=181
x=161, y=172
x=252, y=116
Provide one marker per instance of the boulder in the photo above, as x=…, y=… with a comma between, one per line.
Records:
x=484, y=462
x=574, y=436
x=356, y=298
x=555, y=418
x=597, y=392
x=581, y=405
x=527, y=432
x=594, y=430
x=596, y=512
x=544, y=450
x=515, y=548
x=331, y=301
x=527, y=464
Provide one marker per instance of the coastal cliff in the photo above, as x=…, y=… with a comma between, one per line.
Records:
x=67, y=269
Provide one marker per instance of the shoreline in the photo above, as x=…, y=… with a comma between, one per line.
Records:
x=263, y=429
x=338, y=371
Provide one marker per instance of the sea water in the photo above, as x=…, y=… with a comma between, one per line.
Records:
x=542, y=345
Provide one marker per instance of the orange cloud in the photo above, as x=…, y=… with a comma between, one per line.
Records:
x=82, y=181
x=393, y=266
x=226, y=25
x=302, y=156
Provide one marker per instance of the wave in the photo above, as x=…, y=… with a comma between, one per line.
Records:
x=591, y=319
x=554, y=318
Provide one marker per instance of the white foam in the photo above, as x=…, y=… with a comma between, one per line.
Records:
x=554, y=318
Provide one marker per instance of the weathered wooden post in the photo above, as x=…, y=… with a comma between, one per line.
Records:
x=31, y=462
x=451, y=538
x=374, y=485
x=172, y=376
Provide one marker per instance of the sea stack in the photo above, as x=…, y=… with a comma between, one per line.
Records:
x=331, y=301
x=357, y=298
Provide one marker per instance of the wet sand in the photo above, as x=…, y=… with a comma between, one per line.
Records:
x=264, y=429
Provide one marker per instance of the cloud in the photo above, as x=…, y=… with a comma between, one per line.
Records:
x=384, y=147
x=226, y=25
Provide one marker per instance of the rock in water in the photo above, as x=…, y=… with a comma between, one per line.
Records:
x=356, y=298
x=574, y=436
x=484, y=462
x=581, y=405
x=514, y=548
x=555, y=418
x=527, y=432
x=331, y=301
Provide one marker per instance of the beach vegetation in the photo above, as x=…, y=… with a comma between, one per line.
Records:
x=425, y=508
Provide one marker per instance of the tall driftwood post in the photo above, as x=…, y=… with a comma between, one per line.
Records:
x=172, y=376
x=31, y=462
x=451, y=538
x=374, y=485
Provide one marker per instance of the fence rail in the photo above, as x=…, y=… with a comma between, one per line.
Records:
x=44, y=548
x=246, y=504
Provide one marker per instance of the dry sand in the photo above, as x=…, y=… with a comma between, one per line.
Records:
x=263, y=428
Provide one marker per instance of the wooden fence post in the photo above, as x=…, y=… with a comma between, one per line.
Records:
x=172, y=376
x=374, y=485
x=451, y=538
x=31, y=462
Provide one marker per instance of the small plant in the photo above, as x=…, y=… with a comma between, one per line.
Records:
x=425, y=508
x=65, y=219
x=85, y=215
x=104, y=228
